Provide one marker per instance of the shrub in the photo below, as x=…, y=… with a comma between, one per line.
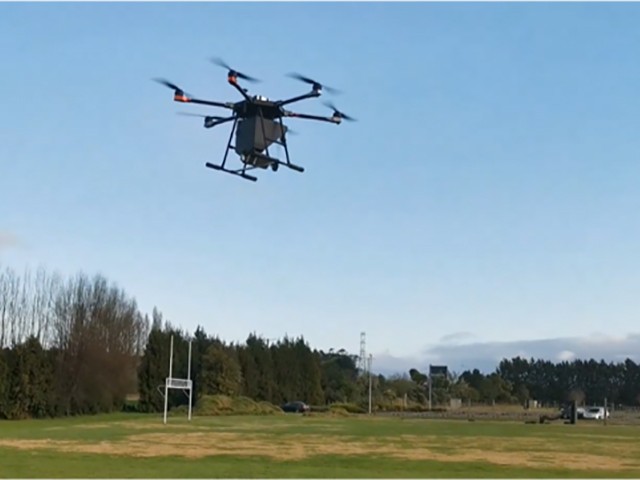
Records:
x=348, y=407
x=210, y=405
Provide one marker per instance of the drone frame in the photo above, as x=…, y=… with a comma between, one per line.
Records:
x=258, y=105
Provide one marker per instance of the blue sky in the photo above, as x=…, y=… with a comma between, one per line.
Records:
x=488, y=192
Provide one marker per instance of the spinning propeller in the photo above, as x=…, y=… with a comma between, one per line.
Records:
x=337, y=113
x=172, y=86
x=179, y=94
x=232, y=72
x=316, y=85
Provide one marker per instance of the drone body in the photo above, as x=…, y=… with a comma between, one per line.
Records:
x=257, y=124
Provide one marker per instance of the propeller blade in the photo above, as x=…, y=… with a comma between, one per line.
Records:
x=223, y=64
x=189, y=114
x=316, y=85
x=338, y=113
x=167, y=83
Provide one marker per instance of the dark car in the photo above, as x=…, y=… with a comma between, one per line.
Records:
x=295, y=407
x=565, y=413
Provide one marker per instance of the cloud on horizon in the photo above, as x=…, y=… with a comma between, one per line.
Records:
x=485, y=356
x=458, y=337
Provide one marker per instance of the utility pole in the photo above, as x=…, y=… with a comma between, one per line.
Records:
x=429, y=380
x=189, y=381
x=370, y=362
x=168, y=381
x=362, y=366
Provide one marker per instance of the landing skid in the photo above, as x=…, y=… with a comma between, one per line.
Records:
x=241, y=172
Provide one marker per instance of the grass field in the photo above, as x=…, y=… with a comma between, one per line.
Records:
x=140, y=446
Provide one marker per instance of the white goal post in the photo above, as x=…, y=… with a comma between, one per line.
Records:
x=184, y=384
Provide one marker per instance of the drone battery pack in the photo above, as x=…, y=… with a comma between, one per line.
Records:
x=256, y=134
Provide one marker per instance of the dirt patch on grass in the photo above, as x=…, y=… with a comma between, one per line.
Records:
x=600, y=438
x=518, y=451
x=133, y=425
x=523, y=452
x=272, y=426
x=223, y=427
x=519, y=459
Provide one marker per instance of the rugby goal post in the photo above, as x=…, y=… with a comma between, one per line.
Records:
x=184, y=384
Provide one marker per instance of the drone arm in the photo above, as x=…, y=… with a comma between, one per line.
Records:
x=336, y=120
x=183, y=98
x=234, y=82
x=314, y=93
x=212, y=104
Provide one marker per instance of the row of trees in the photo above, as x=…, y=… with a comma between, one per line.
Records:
x=290, y=370
x=581, y=380
x=276, y=372
x=80, y=345
x=66, y=346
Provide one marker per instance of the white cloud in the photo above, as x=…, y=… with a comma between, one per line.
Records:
x=388, y=364
x=485, y=356
x=566, y=356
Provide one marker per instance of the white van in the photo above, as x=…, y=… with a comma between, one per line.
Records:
x=595, y=413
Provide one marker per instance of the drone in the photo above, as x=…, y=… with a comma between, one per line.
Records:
x=257, y=122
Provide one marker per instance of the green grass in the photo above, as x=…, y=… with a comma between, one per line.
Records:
x=294, y=446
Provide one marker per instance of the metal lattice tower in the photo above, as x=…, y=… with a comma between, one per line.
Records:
x=362, y=359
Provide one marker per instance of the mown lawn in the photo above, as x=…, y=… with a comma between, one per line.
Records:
x=293, y=446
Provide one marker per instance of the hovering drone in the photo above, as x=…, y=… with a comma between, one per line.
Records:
x=257, y=122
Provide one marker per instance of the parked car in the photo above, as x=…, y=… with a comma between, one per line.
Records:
x=295, y=407
x=595, y=413
x=566, y=412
